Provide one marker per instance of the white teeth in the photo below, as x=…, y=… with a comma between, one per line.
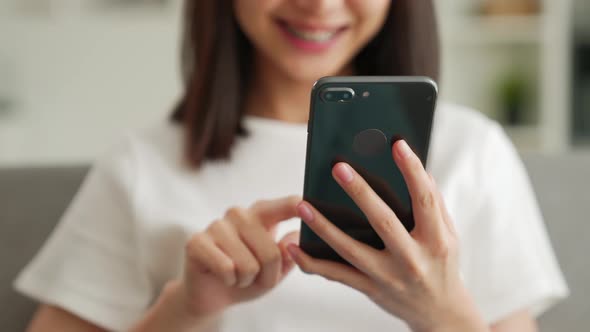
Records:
x=316, y=36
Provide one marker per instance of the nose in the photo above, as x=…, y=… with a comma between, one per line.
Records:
x=318, y=6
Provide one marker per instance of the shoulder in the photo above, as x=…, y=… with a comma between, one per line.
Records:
x=162, y=140
x=158, y=144
x=138, y=155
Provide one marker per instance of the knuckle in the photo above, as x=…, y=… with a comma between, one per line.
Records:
x=391, y=281
x=226, y=267
x=235, y=213
x=399, y=286
x=216, y=226
x=193, y=246
x=415, y=271
x=272, y=257
x=427, y=199
x=387, y=227
x=306, y=266
x=357, y=189
x=441, y=248
x=350, y=253
x=249, y=269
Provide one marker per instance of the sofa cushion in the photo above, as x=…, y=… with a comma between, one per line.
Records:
x=32, y=200
x=562, y=185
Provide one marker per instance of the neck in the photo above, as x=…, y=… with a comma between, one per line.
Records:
x=273, y=94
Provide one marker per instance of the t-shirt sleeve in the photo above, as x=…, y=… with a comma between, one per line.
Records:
x=507, y=258
x=90, y=264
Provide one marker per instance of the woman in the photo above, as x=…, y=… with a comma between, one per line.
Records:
x=189, y=226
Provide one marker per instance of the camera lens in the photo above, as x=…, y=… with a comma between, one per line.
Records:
x=337, y=94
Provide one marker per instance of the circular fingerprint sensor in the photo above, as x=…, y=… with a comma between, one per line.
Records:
x=369, y=142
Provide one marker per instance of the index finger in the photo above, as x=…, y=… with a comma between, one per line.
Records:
x=381, y=217
x=272, y=212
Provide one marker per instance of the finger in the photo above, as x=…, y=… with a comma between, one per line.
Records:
x=383, y=220
x=227, y=239
x=271, y=212
x=333, y=271
x=265, y=249
x=360, y=255
x=288, y=262
x=425, y=206
x=202, y=251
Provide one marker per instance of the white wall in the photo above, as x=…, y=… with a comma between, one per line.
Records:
x=80, y=78
x=79, y=81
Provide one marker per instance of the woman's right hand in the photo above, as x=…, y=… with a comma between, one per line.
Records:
x=236, y=259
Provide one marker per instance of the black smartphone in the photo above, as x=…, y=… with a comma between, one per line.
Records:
x=357, y=120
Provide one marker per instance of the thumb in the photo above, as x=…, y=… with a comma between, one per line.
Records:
x=288, y=263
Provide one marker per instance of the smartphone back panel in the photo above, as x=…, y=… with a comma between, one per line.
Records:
x=356, y=120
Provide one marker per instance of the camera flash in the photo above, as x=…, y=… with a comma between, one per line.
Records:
x=366, y=94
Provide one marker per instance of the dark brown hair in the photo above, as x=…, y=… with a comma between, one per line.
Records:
x=216, y=57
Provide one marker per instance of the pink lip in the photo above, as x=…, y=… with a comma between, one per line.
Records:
x=307, y=45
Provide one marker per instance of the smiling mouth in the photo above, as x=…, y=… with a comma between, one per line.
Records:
x=311, y=35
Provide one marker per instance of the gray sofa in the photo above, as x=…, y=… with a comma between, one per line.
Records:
x=32, y=200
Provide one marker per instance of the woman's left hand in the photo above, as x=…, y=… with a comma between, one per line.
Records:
x=416, y=277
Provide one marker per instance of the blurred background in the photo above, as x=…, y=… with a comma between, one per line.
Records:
x=75, y=74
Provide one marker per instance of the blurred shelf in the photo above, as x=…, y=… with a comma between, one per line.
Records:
x=84, y=10
x=496, y=31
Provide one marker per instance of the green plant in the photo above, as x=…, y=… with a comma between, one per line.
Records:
x=513, y=92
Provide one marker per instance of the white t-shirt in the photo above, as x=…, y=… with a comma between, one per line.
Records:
x=123, y=236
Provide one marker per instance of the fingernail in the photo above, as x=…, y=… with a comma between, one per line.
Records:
x=343, y=172
x=304, y=212
x=404, y=149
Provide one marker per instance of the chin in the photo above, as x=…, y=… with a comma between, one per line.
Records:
x=305, y=71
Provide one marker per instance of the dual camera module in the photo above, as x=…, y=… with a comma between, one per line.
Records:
x=340, y=94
